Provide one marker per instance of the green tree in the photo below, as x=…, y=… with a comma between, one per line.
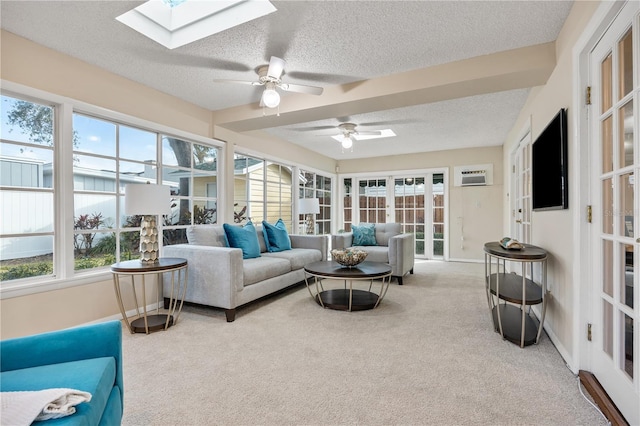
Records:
x=35, y=120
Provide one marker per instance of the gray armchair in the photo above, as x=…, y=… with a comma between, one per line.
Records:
x=392, y=247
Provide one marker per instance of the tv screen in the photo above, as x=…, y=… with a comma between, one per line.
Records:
x=549, y=185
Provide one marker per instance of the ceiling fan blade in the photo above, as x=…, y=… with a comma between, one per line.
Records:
x=251, y=83
x=371, y=133
x=276, y=67
x=299, y=88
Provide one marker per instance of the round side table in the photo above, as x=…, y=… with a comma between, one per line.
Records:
x=144, y=322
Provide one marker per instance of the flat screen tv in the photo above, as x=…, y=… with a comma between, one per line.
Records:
x=549, y=184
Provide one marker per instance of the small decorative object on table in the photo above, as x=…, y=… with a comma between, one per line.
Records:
x=511, y=244
x=349, y=257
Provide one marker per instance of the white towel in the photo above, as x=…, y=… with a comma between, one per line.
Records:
x=23, y=408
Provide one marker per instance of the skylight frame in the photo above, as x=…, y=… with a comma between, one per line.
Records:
x=193, y=20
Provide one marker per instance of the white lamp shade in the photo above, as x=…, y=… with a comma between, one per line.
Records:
x=146, y=199
x=308, y=206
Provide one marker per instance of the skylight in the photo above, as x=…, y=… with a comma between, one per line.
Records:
x=174, y=23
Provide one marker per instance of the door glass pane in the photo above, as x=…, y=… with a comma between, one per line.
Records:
x=625, y=147
x=627, y=288
x=606, y=83
x=372, y=198
x=625, y=69
x=607, y=206
x=628, y=345
x=438, y=215
x=607, y=328
x=607, y=145
x=607, y=267
x=626, y=201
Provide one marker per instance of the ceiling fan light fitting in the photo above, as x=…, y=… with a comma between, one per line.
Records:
x=270, y=98
x=347, y=142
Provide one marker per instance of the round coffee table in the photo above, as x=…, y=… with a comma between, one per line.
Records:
x=348, y=298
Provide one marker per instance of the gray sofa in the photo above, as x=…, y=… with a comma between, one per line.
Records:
x=392, y=247
x=218, y=276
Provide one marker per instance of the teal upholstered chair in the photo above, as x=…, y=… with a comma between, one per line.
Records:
x=86, y=358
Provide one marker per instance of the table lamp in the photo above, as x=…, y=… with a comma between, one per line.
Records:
x=149, y=201
x=309, y=207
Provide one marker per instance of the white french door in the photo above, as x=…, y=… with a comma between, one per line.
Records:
x=615, y=161
x=521, y=191
x=416, y=201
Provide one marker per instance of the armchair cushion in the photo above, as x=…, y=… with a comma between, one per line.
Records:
x=364, y=234
x=276, y=237
x=244, y=238
x=95, y=376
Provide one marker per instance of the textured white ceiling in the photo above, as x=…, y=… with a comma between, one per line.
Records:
x=325, y=43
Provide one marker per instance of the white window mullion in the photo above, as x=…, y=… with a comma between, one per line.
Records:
x=63, y=183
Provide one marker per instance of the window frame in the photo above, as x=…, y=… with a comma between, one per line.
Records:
x=64, y=108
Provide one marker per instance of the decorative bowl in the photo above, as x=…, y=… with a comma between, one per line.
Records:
x=348, y=257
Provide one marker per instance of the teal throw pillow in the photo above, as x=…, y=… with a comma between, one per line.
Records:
x=276, y=237
x=243, y=237
x=364, y=234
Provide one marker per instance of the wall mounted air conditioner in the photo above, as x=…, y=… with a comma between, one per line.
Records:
x=476, y=175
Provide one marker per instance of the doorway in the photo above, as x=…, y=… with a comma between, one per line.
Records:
x=614, y=119
x=416, y=200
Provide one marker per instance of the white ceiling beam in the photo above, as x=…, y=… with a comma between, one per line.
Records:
x=513, y=69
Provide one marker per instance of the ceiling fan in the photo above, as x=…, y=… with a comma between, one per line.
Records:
x=270, y=76
x=349, y=133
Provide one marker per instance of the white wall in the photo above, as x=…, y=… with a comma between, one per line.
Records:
x=553, y=230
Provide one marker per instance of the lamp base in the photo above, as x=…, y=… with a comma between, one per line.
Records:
x=149, y=246
x=310, y=225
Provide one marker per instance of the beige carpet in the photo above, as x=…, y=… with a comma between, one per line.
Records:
x=427, y=355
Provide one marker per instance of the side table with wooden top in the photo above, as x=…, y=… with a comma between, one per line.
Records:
x=145, y=322
x=517, y=290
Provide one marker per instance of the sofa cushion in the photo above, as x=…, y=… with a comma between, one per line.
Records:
x=298, y=257
x=96, y=376
x=276, y=237
x=245, y=238
x=262, y=268
x=364, y=234
x=207, y=235
x=384, y=231
x=375, y=253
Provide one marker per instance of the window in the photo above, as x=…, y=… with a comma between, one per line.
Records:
x=347, y=209
x=191, y=170
x=103, y=155
x=27, y=192
x=262, y=190
x=313, y=185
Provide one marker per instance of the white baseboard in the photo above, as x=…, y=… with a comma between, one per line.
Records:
x=466, y=260
x=569, y=362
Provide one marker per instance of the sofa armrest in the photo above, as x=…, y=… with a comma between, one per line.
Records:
x=318, y=242
x=402, y=253
x=215, y=274
x=72, y=344
x=342, y=241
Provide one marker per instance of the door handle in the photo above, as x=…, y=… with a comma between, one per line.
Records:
x=518, y=221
